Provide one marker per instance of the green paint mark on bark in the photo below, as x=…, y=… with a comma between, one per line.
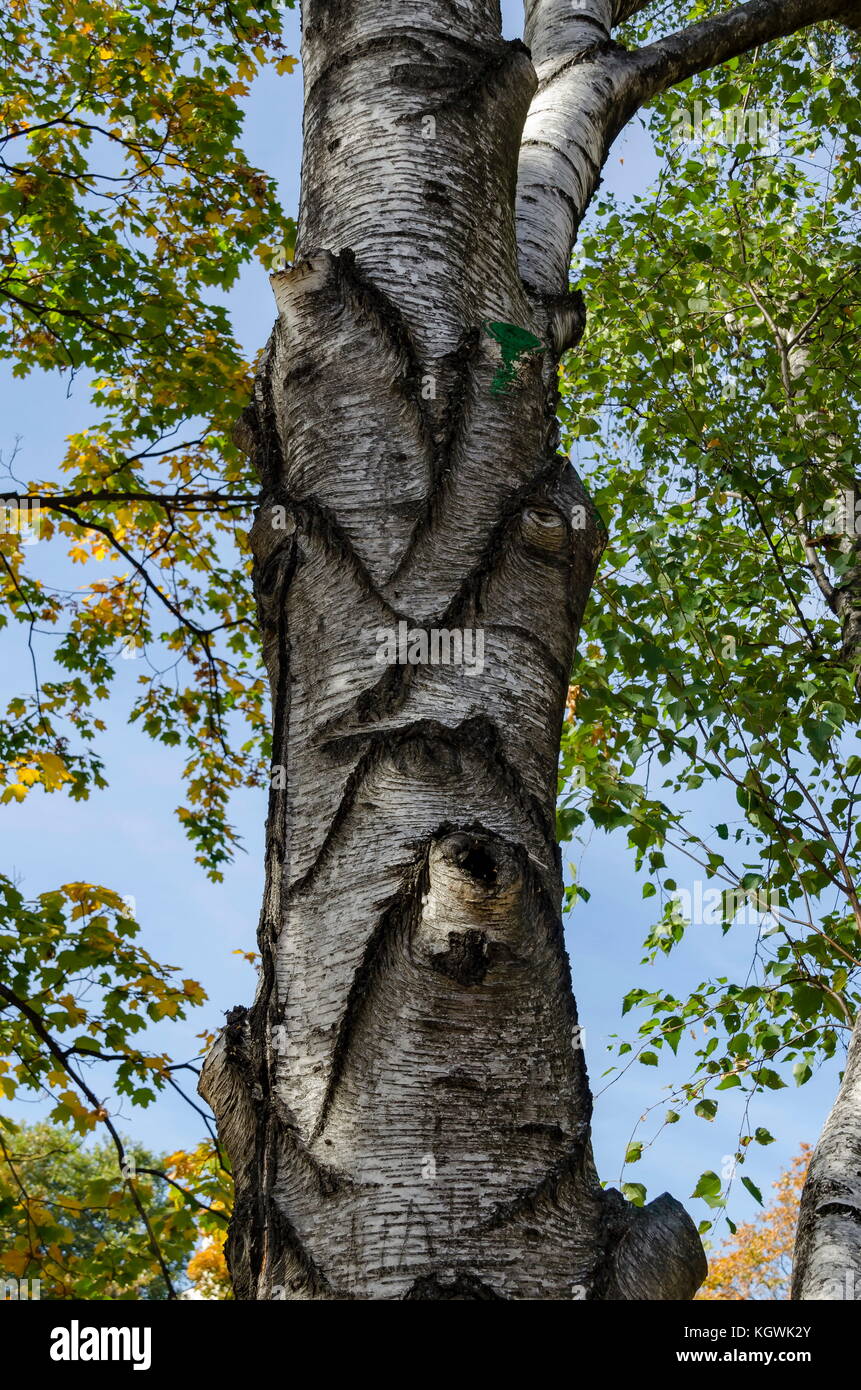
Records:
x=514, y=343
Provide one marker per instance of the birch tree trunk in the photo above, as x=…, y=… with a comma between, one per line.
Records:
x=827, y=1255
x=827, y=1261
x=406, y=1105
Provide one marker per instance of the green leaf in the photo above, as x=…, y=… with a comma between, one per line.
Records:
x=634, y=1192
x=708, y=1185
x=752, y=1189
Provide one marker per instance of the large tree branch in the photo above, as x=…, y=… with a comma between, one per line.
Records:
x=568, y=131
x=589, y=88
x=714, y=41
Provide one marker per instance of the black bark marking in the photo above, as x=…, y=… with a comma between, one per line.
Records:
x=478, y=80
x=550, y=1185
x=472, y=855
x=456, y=370
x=392, y=923
x=464, y=1288
x=839, y=1209
x=467, y=959
x=370, y=305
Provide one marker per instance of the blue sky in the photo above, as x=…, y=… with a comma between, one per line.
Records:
x=128, y=838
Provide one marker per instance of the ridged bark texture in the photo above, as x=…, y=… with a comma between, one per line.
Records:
x=406, y=1105
x=827, y=1262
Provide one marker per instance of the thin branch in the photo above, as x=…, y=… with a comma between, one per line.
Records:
x=185, y=501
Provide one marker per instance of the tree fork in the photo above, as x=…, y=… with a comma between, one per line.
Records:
x=405, y=1105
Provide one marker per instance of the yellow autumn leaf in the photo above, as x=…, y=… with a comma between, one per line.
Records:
x=71, y=1101
x=73, y=1008
x=16, y=1261
x=15, y=792
x=39, y=1215
x=54, y=770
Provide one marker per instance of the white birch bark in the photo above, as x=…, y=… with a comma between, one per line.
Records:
x=406, y=1106
x=827, y=1263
